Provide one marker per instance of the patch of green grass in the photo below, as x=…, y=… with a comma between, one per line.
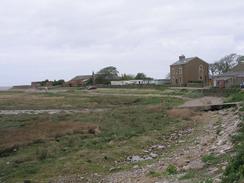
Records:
x=188, y=175
x=154, y=174
x=208, y=180
x=171, y=170
x=211, y=159
x=237, y=96
x=126, y=128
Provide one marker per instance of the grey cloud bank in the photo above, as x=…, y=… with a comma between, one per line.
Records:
x=57, y=39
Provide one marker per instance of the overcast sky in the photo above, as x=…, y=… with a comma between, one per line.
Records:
x=58, y=39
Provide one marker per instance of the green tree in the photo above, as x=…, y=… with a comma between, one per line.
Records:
x=127, y=77
x=58, y=82
x=141, y=75
x=107, y=74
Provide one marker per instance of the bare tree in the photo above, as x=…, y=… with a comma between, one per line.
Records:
x=225, y=64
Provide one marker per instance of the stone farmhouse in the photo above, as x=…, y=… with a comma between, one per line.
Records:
x=189, y=71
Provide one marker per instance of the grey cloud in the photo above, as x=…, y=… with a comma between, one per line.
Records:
x=60, y=38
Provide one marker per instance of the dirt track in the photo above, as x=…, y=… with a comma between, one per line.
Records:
x=203, y=101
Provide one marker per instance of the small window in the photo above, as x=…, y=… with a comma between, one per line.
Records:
x=180, y=70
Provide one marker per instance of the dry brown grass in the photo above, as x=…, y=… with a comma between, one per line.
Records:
x=15, y=137
x=185, y=114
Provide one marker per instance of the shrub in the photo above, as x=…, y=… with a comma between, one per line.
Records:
x=210, y=159
x=154, y=174
x=171, y=170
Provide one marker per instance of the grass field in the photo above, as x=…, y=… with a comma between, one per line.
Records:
x=110, y=126
x=39, y=147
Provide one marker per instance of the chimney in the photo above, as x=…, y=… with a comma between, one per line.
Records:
x=182, y=57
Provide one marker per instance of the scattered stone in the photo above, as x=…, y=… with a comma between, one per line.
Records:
x=148, y=158
x=134, y=158
x=135, y=167
x=153, y=155
x=217, y=180
x=195, y=164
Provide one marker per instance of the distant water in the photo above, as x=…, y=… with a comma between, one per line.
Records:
x=4, y=88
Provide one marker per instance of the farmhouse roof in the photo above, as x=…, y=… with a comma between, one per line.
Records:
x=232, y=74
x=81, y=77
x=183, y=60
x=223, y=78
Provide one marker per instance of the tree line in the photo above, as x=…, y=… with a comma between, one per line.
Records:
x=110, y=73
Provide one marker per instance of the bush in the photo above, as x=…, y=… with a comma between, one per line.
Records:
x=171, y=170
x=210, y=159
x=154, y=174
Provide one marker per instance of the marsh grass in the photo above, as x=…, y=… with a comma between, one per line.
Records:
x=60, y=144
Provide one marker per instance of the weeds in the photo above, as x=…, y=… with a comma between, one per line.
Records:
x=235, y=170
x=154, y=174
x=210, y=159
x=171, y=170
x=42, y=153
x=188, y=175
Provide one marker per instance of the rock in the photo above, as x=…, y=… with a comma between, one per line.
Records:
x=153, y=155
x=223, y=168
x=188, y=161
x=217, y=180
x=195, y=164
x=149, y=166
x=148, y=158
x=135, y=158
x=161, y=147
x=213, y=170
x=111, y=170
x=135, y=167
